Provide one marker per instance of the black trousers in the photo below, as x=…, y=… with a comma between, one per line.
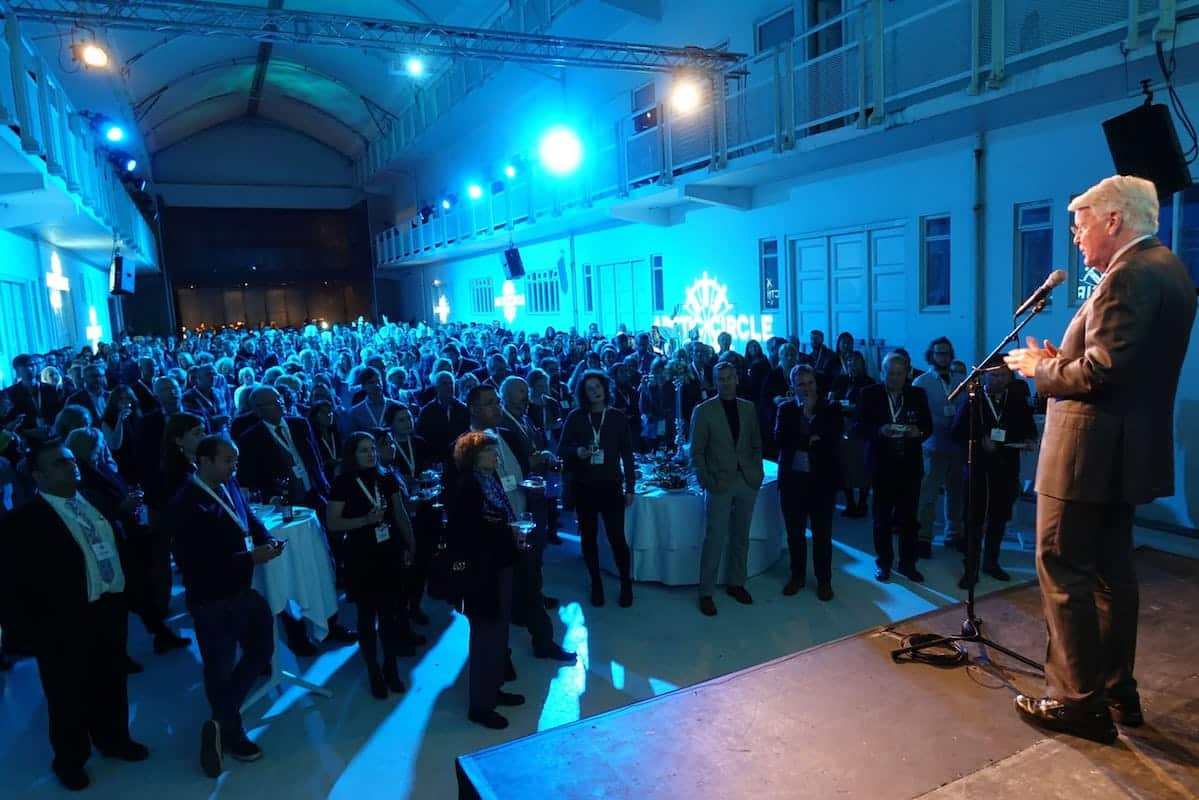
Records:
x=146, y=562
x=223, y=626
x=805, y=504
x=488, y=653
x=388, y=615
x=996, y=489
x=426, y=526
x=592, y=502
x=896, y=496
x=82, y=668
x=1090, y=598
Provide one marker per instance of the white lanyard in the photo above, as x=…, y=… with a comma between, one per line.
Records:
x=377, y=419
x=994, y=413
x=945, y=385
x=327, y=441
x=284, y=439
x=376, y=498
x=241, y=523
x=895, y=409
x=409, y=457
x=594, y=430
x=519, y=424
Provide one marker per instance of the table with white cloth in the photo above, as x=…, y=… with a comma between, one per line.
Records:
x=302, y=576
x=665, y=530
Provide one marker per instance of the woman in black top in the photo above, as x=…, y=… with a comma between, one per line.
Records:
x=596, y=443
x=480, y=519
x=856, y=477
x=808, y=432
x=328, y=440
x=366, y=504
x=180, y=437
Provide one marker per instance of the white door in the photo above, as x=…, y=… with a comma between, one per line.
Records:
x=888, y=287
x=810, y=293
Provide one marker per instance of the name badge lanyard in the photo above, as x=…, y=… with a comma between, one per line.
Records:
x=375, y=418
x=409, y=457
x=241, y=523
x=284, y=440
x=519, y=424
x=896, y=410
x=595, y=432
x=994, y=412
x=376, y=497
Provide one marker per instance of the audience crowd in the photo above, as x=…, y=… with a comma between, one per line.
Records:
x=438, y=460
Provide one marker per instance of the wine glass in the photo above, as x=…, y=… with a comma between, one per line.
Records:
x=524, y=526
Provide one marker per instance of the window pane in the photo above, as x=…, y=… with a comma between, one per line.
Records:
x=1037, y=215
x=588, y=303
x=776, y=31
x=936, y=226
x=936, y=272
x=770, y=247
x=1036, y=260
x=659, y=292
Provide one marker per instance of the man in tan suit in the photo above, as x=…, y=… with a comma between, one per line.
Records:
x=1108, y=446
x=726, y=451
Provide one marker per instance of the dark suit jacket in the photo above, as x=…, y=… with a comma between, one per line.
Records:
x=106, y=491
x=43, y=576
x=874, y=411
x=440, y=432
x=22, y=398
x=264, y=462
x=824, y=464
x=1109, y=431
x=486, y=542
x=82, y=398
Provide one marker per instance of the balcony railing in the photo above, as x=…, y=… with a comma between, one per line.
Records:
x=877, y=58
x=35, y=106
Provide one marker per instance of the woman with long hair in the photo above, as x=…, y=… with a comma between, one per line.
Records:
x=856, y=477
x=118, y=424
x=328, y=440
x=180, y=437
x=598, y=445
x=365, y=503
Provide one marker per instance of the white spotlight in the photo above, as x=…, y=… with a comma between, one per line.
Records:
x=475, y=191
x=415, y=67
x=561, y=151
x=686, y=97
x=92, y=55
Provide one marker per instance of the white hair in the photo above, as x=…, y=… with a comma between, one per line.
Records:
x=1134, y=198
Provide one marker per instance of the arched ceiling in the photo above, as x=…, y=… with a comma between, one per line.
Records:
x=171, y=86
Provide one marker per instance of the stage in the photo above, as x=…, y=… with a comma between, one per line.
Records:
x=842, y=720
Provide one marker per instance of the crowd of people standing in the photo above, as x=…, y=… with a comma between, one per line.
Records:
x=150, y=448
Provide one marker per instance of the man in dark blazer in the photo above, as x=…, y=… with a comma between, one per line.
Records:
x=1108, y=447
x=894, y=420
x=203, y=399
x=36, y=402
x=443, y=419
x=726, y=452
x=217, y=543
x=61, y=577
x=94, y=394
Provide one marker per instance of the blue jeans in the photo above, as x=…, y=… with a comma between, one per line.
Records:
x=222, y=626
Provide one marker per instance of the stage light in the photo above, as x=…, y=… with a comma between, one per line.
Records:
x=92, y=55
x=561, y=151
x=686, y=97
x=114, y=133
x=131, y=165
x=445, y=204
x=475, y=191
x=415, y=67
x=510, y=171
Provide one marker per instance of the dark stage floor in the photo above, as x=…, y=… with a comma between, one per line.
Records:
x=842, y=720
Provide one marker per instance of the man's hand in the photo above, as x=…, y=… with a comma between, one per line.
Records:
x=1024, y=360
x=266, y=552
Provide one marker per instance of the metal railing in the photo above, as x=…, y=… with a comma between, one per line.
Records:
x=876, y=58
x=36, y=107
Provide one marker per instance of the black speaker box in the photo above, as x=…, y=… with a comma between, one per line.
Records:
x=121, y=275
x=1143, y=143
x=513, y=266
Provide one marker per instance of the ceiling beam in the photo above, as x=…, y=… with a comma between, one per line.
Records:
x=263, y=63
x=338, y=30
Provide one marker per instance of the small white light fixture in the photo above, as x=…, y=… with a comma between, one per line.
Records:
x=686, y=97
x=131, y=165
x=475, y=191
x=91, y=55
x=415, y=67
x=510, y=172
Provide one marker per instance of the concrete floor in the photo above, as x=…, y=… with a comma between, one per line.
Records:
x=356, y=746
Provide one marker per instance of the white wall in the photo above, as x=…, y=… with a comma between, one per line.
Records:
x=1049, y=160
x=28, y=321
x=254, y=163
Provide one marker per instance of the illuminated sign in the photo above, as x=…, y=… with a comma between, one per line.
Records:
x=56, y=282
x=708, y=310
x=1088, y=281
x=442, y=309
x=94, y=332
x=509, y=300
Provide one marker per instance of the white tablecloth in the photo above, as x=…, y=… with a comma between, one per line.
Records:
x=665, y=531
x=303, y=574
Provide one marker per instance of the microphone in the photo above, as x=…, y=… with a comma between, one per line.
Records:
x=1055, y=279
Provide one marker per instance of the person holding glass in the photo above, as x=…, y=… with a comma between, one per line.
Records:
x=598, y=446
x=367, y=505
x=482, y=522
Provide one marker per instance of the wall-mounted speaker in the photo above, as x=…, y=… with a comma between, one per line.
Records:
x=121, y=275
x=1143, y=143
x=514, y=267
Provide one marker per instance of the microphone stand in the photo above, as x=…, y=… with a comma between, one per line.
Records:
x=972, y=625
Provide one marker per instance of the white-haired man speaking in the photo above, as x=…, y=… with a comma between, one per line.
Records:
x=1108, y=446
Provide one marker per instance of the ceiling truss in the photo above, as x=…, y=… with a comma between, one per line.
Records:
x=274, y=26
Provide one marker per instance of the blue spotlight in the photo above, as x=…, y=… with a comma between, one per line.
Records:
x=475, y=191
x=131, y=165
x=415, y=67
x=561, y=151
x=510, y=171
x=114, y=133
x=445, y=204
